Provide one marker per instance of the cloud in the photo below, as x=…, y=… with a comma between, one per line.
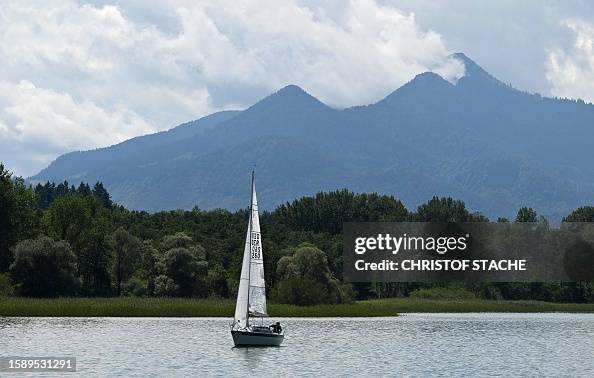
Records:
x=570, y=71
x=81, y=75
x=39, y=124
x=508, y=38
x=350, y=58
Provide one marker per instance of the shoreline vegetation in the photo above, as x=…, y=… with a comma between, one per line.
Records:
x=62, y=241
x=180, y=307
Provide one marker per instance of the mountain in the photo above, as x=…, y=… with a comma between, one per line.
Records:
x=480, y=140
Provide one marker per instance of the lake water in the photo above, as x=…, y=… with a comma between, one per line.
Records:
x=409, y=345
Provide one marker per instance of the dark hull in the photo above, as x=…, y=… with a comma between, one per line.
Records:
x=247, y=338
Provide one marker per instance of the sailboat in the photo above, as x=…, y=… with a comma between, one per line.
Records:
x=251, y=296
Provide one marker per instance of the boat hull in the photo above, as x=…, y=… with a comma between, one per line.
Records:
x=247, y=338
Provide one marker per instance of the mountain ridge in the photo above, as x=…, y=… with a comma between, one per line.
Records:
x=479, y=140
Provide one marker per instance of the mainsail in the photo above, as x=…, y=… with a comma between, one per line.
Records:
x=251, y=296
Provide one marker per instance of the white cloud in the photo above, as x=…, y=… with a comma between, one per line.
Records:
x=508, y=38
x=39, y=123
x=352, y=58
x=571, y=71
x=79, y=76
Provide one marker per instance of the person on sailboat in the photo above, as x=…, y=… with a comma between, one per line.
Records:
x=276, y=327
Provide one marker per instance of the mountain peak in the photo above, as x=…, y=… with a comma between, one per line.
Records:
x=428, y=77
x=292, y=89
x=426, y=81
x=295, y=92
x=473, y=71
x=469, y=64
x=423, y=84
x=290, y=96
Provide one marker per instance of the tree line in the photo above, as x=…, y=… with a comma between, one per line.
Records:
x=66, y=240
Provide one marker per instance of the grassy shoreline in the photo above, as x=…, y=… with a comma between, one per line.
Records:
x=175, y=307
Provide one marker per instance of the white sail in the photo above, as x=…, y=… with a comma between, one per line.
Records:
x=241, y=307
x=251, y=295
x=257, y=291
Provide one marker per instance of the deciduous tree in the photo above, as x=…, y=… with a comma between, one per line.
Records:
x=43, y=267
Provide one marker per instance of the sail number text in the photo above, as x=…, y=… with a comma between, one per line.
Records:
x=256, y=248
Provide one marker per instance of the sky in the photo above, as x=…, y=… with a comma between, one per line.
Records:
x=81, y=75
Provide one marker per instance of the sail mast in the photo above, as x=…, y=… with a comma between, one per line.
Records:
x=247, y=316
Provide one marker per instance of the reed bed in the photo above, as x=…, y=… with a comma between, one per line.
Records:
x=177, y=307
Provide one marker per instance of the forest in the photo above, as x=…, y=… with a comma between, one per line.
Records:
x=62, y=240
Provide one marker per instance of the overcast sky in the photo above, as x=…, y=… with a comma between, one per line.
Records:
x=77, y=75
